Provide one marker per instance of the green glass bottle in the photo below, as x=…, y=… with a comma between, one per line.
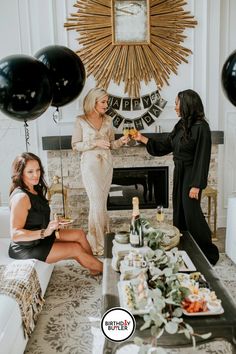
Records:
x=136, y=230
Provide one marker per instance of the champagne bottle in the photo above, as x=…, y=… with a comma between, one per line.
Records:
x=136, y=230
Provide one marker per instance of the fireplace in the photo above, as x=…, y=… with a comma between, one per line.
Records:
x=150, y=184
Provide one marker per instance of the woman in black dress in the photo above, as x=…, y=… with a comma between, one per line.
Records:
x=190, y=143
x=32, y=232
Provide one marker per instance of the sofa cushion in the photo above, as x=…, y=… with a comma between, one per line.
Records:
x=4, y=222
x=10, y=317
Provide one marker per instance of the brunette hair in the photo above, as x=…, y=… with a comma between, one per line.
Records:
x=191, y=111
x=92, y=97
x=18, y=167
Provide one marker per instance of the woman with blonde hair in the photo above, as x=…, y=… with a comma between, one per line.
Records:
x=93, y=136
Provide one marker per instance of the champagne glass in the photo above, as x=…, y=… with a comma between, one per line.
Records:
x=126, y=130
x=133, y=131
x=160, y=214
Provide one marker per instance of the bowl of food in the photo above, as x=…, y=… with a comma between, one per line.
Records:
x=122, y=237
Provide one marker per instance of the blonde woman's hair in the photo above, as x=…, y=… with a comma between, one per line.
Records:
x=94, y=95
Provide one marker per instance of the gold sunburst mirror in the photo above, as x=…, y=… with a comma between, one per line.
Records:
x=131, y=40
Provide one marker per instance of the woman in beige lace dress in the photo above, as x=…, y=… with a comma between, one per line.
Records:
x=93, y=136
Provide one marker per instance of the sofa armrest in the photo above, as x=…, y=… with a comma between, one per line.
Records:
x=4, y=222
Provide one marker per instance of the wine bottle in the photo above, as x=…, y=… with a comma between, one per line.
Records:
x=136, y=230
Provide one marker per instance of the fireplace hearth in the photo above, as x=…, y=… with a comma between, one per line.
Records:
x=150, y=184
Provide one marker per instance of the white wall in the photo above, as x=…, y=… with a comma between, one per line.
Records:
x=29, y=25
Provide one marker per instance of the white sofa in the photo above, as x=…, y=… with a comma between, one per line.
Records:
x=12, y=339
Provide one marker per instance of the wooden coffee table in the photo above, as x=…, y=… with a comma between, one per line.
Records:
x=221, y=326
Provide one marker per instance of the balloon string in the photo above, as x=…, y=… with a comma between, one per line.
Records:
x=56, y=118
x=55, y=115
x=27, y=135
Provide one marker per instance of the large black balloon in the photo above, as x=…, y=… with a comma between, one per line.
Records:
x=25, y=88
x=228, y=78
x=67, y=73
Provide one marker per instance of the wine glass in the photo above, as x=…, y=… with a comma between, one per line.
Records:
x=160, y=214
x=126, y=130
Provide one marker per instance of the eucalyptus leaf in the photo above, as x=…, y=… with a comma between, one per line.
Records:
x=187, y=334
x=170, y=301
x=146, y=317
x=156, y=293
x=189, y=328
x=159, y=253
x=171, y=327
x=194, y=341
x=160, y=332
x=154, y=331
x=146, y=325
x=168, y=272
x=206, y=335
x=155, y=272
x=178, y=313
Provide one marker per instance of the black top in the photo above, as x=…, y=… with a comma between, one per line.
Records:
x=38, y=218
x=192, y=159
x=195, y=152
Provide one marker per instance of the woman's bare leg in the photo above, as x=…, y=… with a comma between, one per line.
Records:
x=73, y=250
x=75, y=235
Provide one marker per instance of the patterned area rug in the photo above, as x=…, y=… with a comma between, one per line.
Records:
x=70, y=320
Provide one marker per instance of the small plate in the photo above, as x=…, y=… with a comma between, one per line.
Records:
x=124, y=300
x=205, y=313
x=188, y=265
x=66, y=222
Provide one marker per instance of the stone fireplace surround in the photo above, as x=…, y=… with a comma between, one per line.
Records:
x=136, y=156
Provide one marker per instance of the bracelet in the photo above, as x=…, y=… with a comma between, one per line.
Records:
x=42, y=234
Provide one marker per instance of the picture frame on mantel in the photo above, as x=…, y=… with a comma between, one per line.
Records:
x=130, y=22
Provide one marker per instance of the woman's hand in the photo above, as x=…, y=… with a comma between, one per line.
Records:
x=52, y=226
x=125, y=139
x=194, y=193
x=139, y=137
x=104, y=144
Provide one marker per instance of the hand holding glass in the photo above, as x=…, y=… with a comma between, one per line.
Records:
x=126, y=131
x=133, y=132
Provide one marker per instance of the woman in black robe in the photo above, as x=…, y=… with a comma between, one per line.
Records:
x=190, y=143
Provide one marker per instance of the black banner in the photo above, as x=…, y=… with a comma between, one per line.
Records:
x=136, y=104
x=148, y=119
x=126, y=104
x=153, y=102
x=117, y=120
x=155, y=110
x=146, y=101
x=116, y=102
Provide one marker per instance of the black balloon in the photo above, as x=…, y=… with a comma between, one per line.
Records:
x=67, y=73
x=228, y=78
x=25, y=88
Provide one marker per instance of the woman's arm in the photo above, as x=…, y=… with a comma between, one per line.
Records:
x=155, y=147
x=20, y=205
x=115, y=144
x=77, y=142
x=139, y=137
